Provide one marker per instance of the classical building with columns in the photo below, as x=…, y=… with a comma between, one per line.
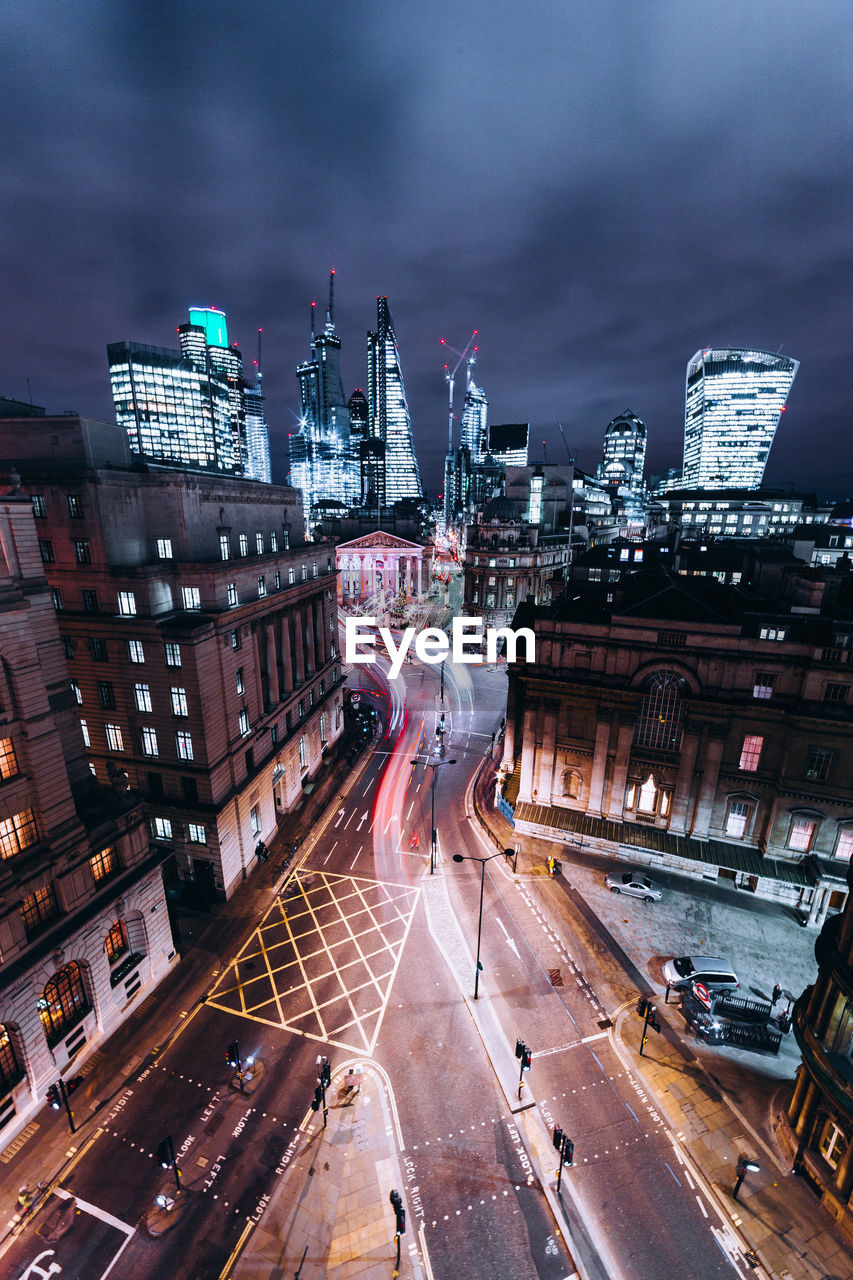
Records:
x=507, y=559
x=199, y=633
x=381, y=566
x=84, y=926
x=818, y=1121
x=682, y=722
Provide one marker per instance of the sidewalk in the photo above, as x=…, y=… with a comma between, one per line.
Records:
x=776, y=1217
x=330, y=1213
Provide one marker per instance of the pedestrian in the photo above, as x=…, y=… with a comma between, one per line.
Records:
x=777, y=991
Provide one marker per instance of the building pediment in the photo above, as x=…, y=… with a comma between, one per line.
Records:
x=373, y=541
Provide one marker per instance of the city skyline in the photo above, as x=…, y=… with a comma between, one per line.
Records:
x=599, y=198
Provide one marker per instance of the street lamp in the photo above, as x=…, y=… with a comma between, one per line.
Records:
x=434, y=765
x=467, y=857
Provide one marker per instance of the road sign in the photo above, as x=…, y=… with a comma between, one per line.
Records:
x=702, y=993
x=355, y=699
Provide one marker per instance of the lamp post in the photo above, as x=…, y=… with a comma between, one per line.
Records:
x=467, y=857
x=434, y=765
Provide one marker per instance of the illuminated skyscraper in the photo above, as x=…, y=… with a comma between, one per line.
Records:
x=732, y=405
x=624, y=454
x=474, y=429
x=390, y=422
x=323, y=463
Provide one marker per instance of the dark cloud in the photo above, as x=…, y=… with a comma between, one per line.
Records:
x=599, y=188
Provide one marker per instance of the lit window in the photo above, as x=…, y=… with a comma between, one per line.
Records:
x=135, y=651
x=17, y=833
x=750, y=752
x=74, y=508
x=142, y=695
x=802, y=833
x=273, y=540
x=149, y=742
x=772, y=633
x=291, y=576
x=164, y=548
x=196, y=833
x=104, y=863
x=63, y=1002
x=262, y=586
x=162, y=829
x=232, y=594
x=833, y=1144
x=277, y=579
x=241, y=688
x=323, y=728
x=737, y=818
x=255, y=820
x=46, y=550
x=244, y=544
x=243, y=721
x=114, y=738
x=259, y=543
x=224, y=546
x=56, y=597
x=304, y=573
x=185, y=744
x=660, y=722
x=179, y=701
x=191, y=597
x=85, y=730
x=647, y=796
x=173, y=655
x=300, y=709
x=844, y=847
x=235, y=639
x=115, y=943
x=314, y=569
x=302, y=757
x=39, y=508
x=763, y=686
x=126, y=604
x=8, y=759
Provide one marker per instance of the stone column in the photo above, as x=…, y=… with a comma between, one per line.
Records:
x=299, y=645
x=599, y=764
x=259, y=670
x=320, y=643
x=820, y=904
x=272, y=665
x=286, y=660
x=684, y=781
x=528, y=751
x=802, y=1123
x=549, y=741
x=624, y=739
x=310, y=660
x=708, y=786
x=508, y=759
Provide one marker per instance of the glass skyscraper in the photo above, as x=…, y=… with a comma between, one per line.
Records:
x=323, y=461
x=389, y=420
x=474, y=428
x=624, y=454
x=733, y=401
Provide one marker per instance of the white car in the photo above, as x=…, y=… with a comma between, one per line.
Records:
x=633, y=882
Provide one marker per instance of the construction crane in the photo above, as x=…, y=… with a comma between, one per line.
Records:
x=469, y=354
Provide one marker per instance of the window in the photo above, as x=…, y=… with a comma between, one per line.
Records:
x=149, y=742
x=273, y=540
x=262, y=586
x=67, y=646
x=291, y=577
x=817, y=763
x=8, y=759
x=285, y=533
x=763, y=686
x=10, y=1070
x=259, y=543
x=659, y=724
x=304, y=573
x=98, y=647
x=46, y=550
x=185, y=744
x=179, y=701
x=155, y=784
x=85, y=731
x=300, y=709
x=56, y=597
x=801, y=834
x=314, y=569
x=104, y=864
x=647, y=796
x=191, y=597
x=127, y=604
x=82, y=554
x=255, y=820
x=115, y=943
x=114, y=738
x=17, y=833
x=274, y=734
x=833, y=1144
x=39, y=909
x=322, y=687
x=106, y=695
x=323, y=728
x=190, y=789
x=173, y=655
x=310, y=697
x=162, y=829
x=196, y=834
x=844, y=847
x=164, y=548
x=835, y=693
x=142, y=697
x=750, y=752
x=63, y=1002
x=241, y=688
x=39, y=508
x=737, y=819
x=772, y=633
x=90, y=601
x=302, y=756
x=232, y=594
x=75, y=509
x=224, y=547
x=235, y=638
x=244, y=544
x=277, y=579
x=243, y=721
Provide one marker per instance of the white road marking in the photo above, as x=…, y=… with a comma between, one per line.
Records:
x=350, y=818
x=362, y=821
x=409, y=814
x=95, y=1212
x=599, y=1035
x=341, y=813
x=510, y=940
x=702, y=1207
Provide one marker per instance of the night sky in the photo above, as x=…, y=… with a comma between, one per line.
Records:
x=599, y=186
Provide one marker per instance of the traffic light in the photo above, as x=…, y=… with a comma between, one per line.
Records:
x=54, y=1097
x=526, y=1059
x=557, y=1137
x=642, y=1006
x=73, y=1083
x=399, y=1212
x=325, y=1073
x=318, y=1098
x=165, y=1156
x=568, y=1151
x=232, y=1055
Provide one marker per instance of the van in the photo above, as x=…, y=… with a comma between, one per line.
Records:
x=711, y=971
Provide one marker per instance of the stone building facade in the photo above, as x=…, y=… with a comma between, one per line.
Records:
x=199, y=632
x=382, y=566
x=84, y=927
x=680, y=721
x=506, y=560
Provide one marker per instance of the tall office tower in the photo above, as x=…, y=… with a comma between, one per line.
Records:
x=390, y=421
x=257, y=434
x=322, y=460
x=624, y=455
x=474, y=429
x=508, y=443
x=732, y=405
x=359, y=417
x=183, y=406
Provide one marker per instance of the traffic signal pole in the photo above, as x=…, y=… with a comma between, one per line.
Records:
x=57, y=1096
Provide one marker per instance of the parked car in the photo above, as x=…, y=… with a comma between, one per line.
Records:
x=633, y=882
x=711, y=971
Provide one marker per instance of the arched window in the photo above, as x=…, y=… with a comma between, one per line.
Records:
x=660, y=722
x=116, y=942
x=63, y=1002
x=10, y=1069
